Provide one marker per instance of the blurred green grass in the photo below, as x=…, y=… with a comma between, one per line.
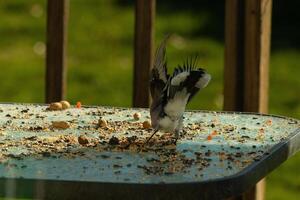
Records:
x=100, y=61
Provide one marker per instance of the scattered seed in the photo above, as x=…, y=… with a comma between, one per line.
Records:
x=214, y=132
x=146, y=124
x=60, y=125
x=105, y=156
x=65, y=104
x=46, y=154
x=137, y=116
x=113, y=141
x=209, y=137
x=102, y=123
x=78, y=104
x=83, y=140
x=55, y=106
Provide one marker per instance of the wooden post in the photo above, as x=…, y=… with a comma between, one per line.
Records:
x=247, y=50
x=234, y=55
x=257, y=52
x=57, y=18
x=143, y=51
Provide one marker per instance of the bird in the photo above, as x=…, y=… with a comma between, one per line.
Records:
x=170, y=93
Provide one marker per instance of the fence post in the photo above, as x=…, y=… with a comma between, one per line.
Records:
x=257, y=53
x=57, y=19
x=234, y=55
x=143, y=50
x=247, y=50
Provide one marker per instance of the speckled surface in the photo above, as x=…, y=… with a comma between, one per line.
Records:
x=214, y=145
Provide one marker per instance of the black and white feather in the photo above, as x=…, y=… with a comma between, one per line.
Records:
x=171, y=93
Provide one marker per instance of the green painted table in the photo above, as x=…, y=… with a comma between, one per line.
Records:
x=219, y=154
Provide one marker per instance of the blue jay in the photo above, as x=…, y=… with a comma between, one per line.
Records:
x=171, y=93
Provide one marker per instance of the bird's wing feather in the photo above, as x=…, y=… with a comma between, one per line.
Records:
x=170, y=94
x=187, y=77
x=160, y=61
x=159, y=75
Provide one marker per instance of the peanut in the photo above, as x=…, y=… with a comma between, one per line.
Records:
x=65, y=104
x=146, y=124
x=60, y=125
x=102, y=123
x=137, y=116
x=55, y=106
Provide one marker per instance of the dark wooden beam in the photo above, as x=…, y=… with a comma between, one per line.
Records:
x=247, y=51
x=234, y=55
x=57, y=18
x=257, y=53
x=143, y=51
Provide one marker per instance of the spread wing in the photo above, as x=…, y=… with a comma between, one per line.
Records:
x=171, y=93
x=185, y=82
x=188, y=79
x=159, y=76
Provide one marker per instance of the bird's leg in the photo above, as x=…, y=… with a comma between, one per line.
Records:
x=155, y=131
x=177, y=132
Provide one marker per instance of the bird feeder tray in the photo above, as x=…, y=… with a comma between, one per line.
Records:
x=99, y=152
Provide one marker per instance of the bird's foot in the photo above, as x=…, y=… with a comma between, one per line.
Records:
x=174, y=140
x=183, y=133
